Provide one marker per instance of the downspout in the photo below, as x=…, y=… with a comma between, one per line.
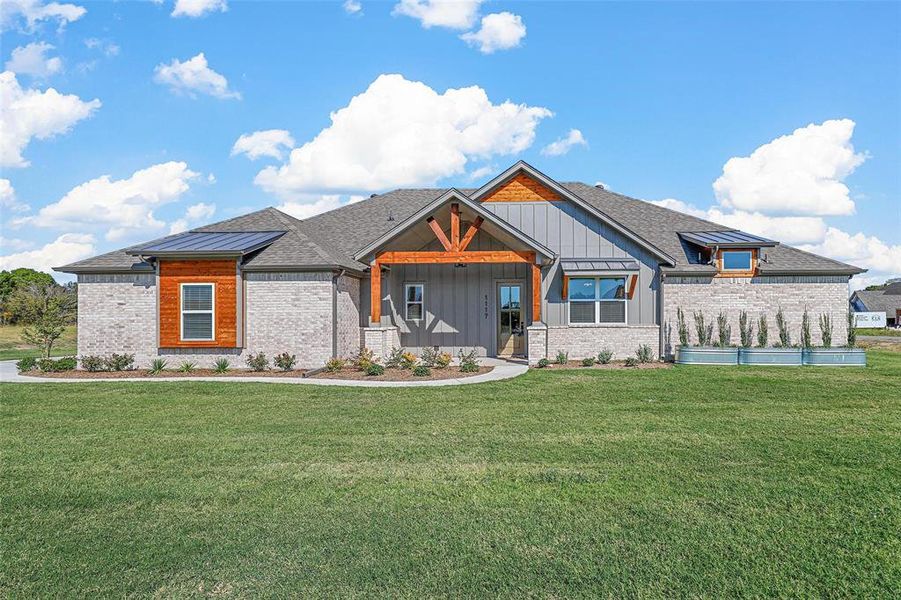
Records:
x=335, y=277
x=661, y=312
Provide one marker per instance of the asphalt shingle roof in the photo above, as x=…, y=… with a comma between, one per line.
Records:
x=331, y=239
x=879, y=301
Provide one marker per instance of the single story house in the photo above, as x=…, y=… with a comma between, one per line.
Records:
x=887, y=300
x=523, y=265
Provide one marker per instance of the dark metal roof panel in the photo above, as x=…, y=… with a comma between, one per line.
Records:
x=200, y=242
x=729, y=238
x=582, y=265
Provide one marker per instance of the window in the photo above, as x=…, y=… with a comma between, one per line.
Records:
x=197, y=300
x=597, y=300
x=736, y=260
x=413, y=302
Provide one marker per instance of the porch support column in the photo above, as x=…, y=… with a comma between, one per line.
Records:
x=375, y=293
x=536, y=293
x=455, y=227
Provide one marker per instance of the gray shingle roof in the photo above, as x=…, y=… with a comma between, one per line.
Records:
x=879, y=301
x=331, y=239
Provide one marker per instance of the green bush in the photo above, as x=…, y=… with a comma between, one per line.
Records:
x=421, y=371
x=605, y=356
x=468, y=362
x=375, y=369
x=364, y=358
x=429, y=356
x=683, y=328
x=29, y=363
x=785, y=338
x=588, y=362
x=187, y=367
x=49, y=365
x=222, y=365
x=763, y=333
x=852, y=330
x=723, y=329
x=631, y=361
x=806, y=338
x=643, y=354
x=746, y=329
x=333, y=365
x=826, y=330
x=93, y=363
x=258, y=362
x=543, y=363
x=562, y=357
x=157, y=366
x=286, y=362
x=119, y=362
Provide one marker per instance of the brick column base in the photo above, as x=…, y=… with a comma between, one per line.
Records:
x=536, y=340
x=381, y=340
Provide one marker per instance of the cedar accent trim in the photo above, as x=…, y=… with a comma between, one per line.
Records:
x=719, y=265
x=471, y=233
x=220, y=273
x=536, y=293
x=455, y=226
x=565, y=287
x=633, y=283
x=375, y=293
x=439, y=233
x=472, y=256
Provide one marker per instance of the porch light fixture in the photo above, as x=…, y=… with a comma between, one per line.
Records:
x=460, y=266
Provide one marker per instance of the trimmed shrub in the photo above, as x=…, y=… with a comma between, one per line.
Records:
x=222, y=365
x=826, y=330
x=723, y=330
x=374, y=370
x=684, y=339
x=703, y=329
x=333, y=365
x=93, y=363
x=605, y=356
x=286, y=362
x=187, y=367
x=852, y=332
x=395, y=358
x=805, y=330
x=588, y=362
x=49, y=365
x=562, y=357
x=29, y=363
x=763, y=333
x=157, y=366
x=364, y=358
x=421, y=371
x=258, y=362
x=543, y=363
x=429, y=356
x=444, y=360
x=785, y=338
x=643, y=354
x=120, y=362
x=745, y=330
x=468, y=362
x=631, y=361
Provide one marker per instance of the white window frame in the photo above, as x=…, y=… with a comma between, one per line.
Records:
x=723, y=261
x=597, y=300
x=182, y=312
x=407, y=303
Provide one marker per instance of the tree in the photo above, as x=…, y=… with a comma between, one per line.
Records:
x=47, y=309
x=10, y=281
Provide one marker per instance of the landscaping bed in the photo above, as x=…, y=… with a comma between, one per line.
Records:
x=80, y=374
x=353, y=374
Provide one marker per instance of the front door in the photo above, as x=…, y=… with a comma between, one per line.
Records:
x=510, y=332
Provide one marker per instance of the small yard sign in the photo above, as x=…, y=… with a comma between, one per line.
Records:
x=868, y=320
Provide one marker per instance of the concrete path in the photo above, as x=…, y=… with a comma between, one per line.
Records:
x=502, y=370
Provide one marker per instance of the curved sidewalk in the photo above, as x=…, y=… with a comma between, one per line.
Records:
x=502, y=370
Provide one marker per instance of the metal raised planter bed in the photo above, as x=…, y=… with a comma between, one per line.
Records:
x=706, y=355
x=786, y=357
x=835, y=357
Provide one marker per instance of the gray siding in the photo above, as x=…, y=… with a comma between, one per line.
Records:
x=571, y=232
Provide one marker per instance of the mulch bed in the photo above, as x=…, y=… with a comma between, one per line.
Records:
x=146, y=373
x=616, y=364
x=400, y=374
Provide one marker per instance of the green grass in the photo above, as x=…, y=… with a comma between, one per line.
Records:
x=13, y=348
x=884, y=331
x=691, y=481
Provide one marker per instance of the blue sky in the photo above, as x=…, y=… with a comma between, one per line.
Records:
x=661, y=95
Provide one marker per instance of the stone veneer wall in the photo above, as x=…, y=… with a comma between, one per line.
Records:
x=584, y=341
x=349, y=331
x=820, y=294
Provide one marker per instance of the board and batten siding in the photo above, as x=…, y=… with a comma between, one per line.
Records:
x=572, y=232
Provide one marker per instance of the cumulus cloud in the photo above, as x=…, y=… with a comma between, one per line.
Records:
x=270, y=142
x=32, y=60
x=27, y=114
x=8, y=199
x=107, y=47
x=564, y=145
x=352, y=7
x=403, y=133
x=124, y=205
x=859, y=249
x=452, y=14
x=499, y=31
x=33, y=12
x=194, y=76
x=7, y=243
x=198, y=8
x=305, y=207
x=195, y=215
x=799, y=173
x=65, y=249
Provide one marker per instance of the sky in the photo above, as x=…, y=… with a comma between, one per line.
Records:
x=125, y=121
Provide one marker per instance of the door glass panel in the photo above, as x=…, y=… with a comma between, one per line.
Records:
x=505, y=320
x=505, y=297
x=515, y=320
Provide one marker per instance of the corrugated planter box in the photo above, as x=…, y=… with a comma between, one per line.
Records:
x=836, y=357
x=706, y=355
x=788, y=357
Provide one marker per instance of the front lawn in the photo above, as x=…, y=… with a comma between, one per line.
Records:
x=879, y=331
x=13, y=348
x=690, y=481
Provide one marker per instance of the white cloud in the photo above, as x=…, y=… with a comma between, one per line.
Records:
x=270, y=142
x=35, y=11
x=859, y=249
x=352, y=7
x=680, y=206
x=403, y=133
x=105, y=46
x=8, y=199
x=790, y=230
x=482, y=172
x=124, y=205
x=193, y=75
x=194, y=215
x=67, y=248
x=499, y=31
x=32, y=60
x=453, y=14
x=564, y=145
x=799, y=173
x=27, y=114
x=14, y=243
x=198, y=8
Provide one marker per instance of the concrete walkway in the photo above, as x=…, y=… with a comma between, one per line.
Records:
x=503, y=369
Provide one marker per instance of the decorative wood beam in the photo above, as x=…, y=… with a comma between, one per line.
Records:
x=566, y=287
x=455, y=227
x=471, y=233
x=536, y=293
x=473, y=256
x=633, y=283
x=439, y=233
x=375, y=294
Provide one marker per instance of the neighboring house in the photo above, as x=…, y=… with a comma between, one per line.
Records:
x=523, y=265
x=887, y=300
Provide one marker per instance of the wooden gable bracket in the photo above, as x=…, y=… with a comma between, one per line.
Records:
x=439, y=233
x=471, y=233
x=455, y=243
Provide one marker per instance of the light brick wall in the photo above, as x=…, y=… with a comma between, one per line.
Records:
x=117, y=313
x=536, y=340
x=349, y=331
x=381, y=340
x=584, y=341
x=759, y=295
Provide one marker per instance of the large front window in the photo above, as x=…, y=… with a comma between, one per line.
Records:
x=597, y=300
x=197, y=310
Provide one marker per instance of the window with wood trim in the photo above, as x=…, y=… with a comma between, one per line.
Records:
x=198, y=308
x=414, y=301
x=737, y=260
x=597, y=300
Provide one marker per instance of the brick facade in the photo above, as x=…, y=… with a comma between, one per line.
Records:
x=584, y=341
x=760, y=295
x=117, y=313
x=349, y=330
x=381, y=340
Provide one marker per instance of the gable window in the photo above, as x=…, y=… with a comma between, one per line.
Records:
x=197, y=311
x=414, y=302
x=595, y=300
x=737, y=260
